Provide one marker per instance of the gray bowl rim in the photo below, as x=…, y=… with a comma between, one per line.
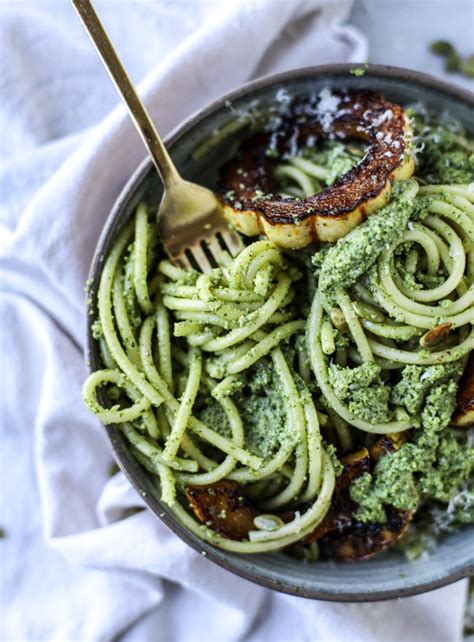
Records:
x=135, y=473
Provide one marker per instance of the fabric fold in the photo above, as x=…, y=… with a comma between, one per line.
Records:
x=76, y=567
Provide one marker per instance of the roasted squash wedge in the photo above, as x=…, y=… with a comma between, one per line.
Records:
x=248, y=185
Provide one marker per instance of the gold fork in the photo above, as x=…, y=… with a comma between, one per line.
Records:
x=190, y=217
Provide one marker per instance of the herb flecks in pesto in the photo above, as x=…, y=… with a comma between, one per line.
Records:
x=361, y=387
x=432, y=467
x=258, y=397
x=415, y=382
x=346, y=261
x=444, y=154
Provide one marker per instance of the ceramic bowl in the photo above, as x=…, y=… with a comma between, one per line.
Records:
x=199, y=146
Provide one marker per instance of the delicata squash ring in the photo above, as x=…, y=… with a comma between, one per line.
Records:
x=249, y=186
x=223, y=506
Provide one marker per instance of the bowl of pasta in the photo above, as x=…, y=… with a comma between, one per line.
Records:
x=302, y=414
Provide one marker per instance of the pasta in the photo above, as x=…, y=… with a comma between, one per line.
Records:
x=264, y=373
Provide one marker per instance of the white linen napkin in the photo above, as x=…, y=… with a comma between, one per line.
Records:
x=72, y=567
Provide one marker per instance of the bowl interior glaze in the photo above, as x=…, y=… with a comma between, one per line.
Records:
x=389, y=575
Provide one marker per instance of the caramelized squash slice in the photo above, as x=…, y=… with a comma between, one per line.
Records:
x=387, y=444
x=348, y=539
x=339, y=515
x=464, y=412
x=361, y=541
x=248, y=185
x=222, y=507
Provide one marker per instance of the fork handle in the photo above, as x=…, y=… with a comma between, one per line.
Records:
x=161, y=159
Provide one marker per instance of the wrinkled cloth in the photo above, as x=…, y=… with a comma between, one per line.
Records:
x=73, y=567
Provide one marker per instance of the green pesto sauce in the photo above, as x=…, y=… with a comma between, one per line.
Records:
x=340, y=161
x=97, y=331
x=212, y=414
x=133, y=310
x=362, y=390
x=336, y=158
x=414, y=279
x=262, y=409
x=444, y=154
x=352, y=255
x=434, y=465
x=416, y=381
x=331, y=451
